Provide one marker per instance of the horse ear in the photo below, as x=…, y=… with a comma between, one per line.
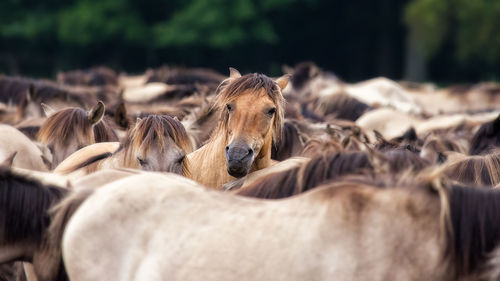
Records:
x=121, y=115
x=31, y=94
x=283, y=81
x=49, y=111
x=233, y=73
x=96, y=113
x=7, y=162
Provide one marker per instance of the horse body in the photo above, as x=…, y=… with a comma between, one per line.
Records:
x=177, y=230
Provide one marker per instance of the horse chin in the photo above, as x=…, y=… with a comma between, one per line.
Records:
x=238, y=171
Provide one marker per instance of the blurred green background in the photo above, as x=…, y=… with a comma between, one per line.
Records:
x=421, y=40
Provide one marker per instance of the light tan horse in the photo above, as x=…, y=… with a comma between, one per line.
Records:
x=251, y=116
x=165, y=227
x=25, y=154
x=156, y=143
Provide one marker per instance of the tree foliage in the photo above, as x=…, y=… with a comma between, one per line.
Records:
x=473, y=27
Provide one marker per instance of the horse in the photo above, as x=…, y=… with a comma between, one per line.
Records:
x=24, y=222
x=25, y=154
x=68, y=130
x=250, y=119
x=156, y=143
x=158, y=227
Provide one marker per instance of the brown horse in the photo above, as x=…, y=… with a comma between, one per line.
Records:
x=156, y=143
x=24, y=221
x=251, y=117
x=163, y=227
x=68, y=130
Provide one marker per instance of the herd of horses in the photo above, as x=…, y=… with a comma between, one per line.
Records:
x=186, y=174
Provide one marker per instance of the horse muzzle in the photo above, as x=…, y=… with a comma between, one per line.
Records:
x=239, y=159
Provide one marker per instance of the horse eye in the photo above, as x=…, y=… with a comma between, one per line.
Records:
x=229, y=107
x=271, y=111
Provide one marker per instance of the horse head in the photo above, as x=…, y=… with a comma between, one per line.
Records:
x=251, y=118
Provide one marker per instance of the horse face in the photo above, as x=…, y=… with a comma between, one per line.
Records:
x=170, y=159
x=250, y=121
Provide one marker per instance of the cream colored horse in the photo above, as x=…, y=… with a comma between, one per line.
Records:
x=164, y=227
x=25, y=153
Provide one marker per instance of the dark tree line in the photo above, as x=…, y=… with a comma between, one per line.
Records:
x=451, y=40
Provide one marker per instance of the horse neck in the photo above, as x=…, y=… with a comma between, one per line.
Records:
x=208, y=163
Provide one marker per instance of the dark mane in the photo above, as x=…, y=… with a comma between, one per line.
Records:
x=290, y=143
x=230, y=89
x=23, y=206
x=402, y=159
x=475, y=229
x=103, y=132
x=342, y=106
x=486, y=138
x=310, y=175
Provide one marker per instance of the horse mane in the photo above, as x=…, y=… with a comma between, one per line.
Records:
x=290, y=139
x=341, y=106
x=310, y=175
x=64, y=124
x=477, y=170
x=486, y=138
x=401, y=159
x=156, y=129
x=74, y=122
x=475, y=233
x=315, y=146
x=103, y=132
x=24, y=203
x=231, y=88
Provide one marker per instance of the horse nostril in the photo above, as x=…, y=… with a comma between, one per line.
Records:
x=250, y=151
x=227, y=148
